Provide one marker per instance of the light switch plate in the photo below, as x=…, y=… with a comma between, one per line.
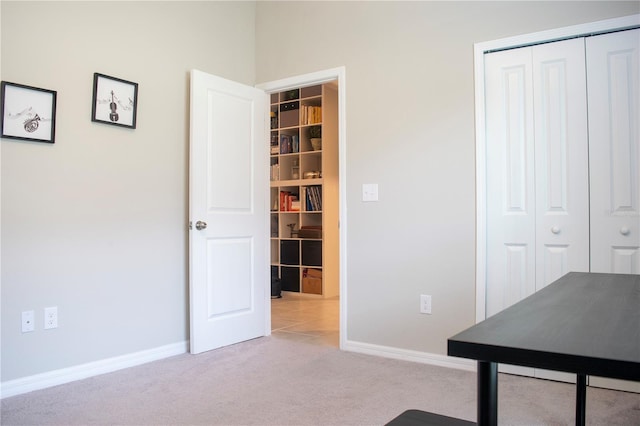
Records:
x=369, y=192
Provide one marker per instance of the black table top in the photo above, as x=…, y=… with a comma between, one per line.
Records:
x=583, y=323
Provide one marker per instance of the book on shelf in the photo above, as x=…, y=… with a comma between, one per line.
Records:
x=285, y=144
x=295, y=143
x=283, y=197
x=287, y=200
x=311, y=114
x=275, y=172
x=289, y=144
x=313, y=198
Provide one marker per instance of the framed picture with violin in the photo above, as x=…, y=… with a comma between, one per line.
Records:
x=115, y=101
x=27, y=113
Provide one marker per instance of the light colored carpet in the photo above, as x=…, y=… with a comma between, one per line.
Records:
x=280, y=381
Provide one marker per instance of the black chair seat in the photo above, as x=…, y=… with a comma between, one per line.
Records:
x=423, y=418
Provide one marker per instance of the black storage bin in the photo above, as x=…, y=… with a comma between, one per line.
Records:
x=312, y=253
x=290, y=278
x=289, y=252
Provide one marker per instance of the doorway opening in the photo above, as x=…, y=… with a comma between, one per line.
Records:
x=307, y=231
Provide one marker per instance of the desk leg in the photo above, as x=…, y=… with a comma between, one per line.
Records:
x=487, y=393
x=581, y=399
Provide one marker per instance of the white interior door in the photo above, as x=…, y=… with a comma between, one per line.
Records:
x=614, y=115
x=228, y=188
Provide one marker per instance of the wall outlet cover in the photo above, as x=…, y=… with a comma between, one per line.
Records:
x=425, y=304
x=28, y=321
x=51, y=317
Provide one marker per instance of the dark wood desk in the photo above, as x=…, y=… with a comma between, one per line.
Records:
x=583, y=323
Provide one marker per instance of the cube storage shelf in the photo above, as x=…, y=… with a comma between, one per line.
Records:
x=304, y=189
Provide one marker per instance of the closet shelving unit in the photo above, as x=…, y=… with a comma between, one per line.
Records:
x=304, y=189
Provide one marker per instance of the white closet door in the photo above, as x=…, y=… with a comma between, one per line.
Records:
x=537, y=169
x=613, y=78
x=612, y=66
x=510, y=179
x=562, y=171
x=561, y=166
x=561, y=160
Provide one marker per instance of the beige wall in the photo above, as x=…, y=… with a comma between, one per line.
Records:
x=96, y=223
x=410, y=128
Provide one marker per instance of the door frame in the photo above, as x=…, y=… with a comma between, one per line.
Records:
x=320, y=77
x=480, y=49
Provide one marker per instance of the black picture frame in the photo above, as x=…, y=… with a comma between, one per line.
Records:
x=27, y=113
x=115, y=101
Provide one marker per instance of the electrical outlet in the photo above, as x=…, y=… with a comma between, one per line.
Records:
x=51, y=317
x=425, y=304
x=28, y=323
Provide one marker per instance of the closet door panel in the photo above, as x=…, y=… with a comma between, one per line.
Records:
x=561, y=165
x=613, y=79
x=614, y=148
x=510, y=179
x=561, y=160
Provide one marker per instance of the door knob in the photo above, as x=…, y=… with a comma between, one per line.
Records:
x=200, y=225
x=555, y=230
x=624, y=230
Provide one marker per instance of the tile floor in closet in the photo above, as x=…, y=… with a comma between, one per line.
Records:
x=306, y=318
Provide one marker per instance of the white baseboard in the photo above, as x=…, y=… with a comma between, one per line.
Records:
x=83, y=371
x=410, y=355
